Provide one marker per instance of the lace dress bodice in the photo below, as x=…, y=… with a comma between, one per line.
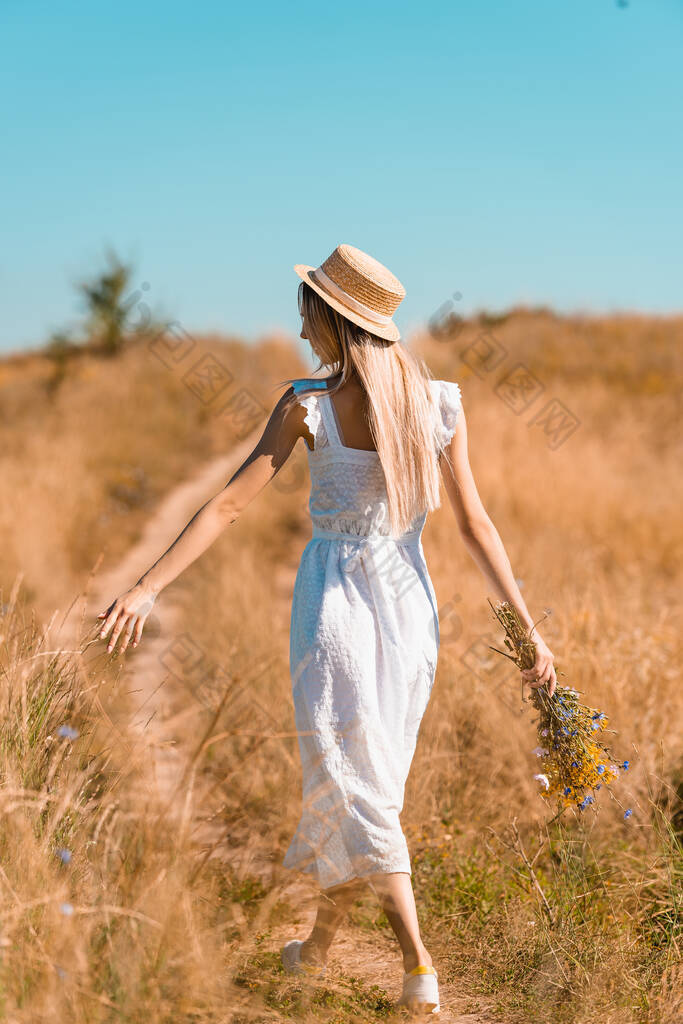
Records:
x=348, y=488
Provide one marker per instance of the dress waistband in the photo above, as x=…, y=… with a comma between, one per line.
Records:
x=411, y=537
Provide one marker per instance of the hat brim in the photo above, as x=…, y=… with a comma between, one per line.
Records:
x=388, y=332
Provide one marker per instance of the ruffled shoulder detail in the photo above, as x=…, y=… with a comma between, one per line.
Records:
x=313, y=417
x=448, y=403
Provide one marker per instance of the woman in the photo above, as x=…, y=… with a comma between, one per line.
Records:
x=380, y=434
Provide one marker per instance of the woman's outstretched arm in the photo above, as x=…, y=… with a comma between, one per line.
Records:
x=484, y=544
x=129, y=611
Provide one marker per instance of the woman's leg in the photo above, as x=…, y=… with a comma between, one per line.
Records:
x=395, y=892
x=333, y=907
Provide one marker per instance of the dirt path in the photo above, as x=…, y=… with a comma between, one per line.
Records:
x=153, y=727
x=157, y=735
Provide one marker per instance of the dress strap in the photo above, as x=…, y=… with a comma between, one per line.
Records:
x=330, y=419
x=314, y=418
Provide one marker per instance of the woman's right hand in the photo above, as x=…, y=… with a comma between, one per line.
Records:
x=543, y=670
x=128, y=612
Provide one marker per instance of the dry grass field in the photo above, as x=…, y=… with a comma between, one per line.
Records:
x=147, y=799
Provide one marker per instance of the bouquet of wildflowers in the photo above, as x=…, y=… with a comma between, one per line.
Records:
x=576, y=760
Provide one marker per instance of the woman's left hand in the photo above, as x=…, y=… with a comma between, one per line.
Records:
x=128, y=613
x=543, y=670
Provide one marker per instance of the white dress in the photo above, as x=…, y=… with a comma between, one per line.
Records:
x=364, y=643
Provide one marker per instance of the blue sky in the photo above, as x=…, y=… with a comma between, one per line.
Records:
x=526, y=151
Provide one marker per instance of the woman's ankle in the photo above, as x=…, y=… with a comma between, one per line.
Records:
x=415, y=958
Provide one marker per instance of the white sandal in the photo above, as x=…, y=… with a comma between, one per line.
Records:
x=421, y=990
x=293, y=964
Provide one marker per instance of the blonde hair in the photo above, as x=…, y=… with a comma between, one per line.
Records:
x=400, y=406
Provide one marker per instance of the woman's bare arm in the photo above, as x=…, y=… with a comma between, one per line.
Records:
x=281, y=433
x=484, y=544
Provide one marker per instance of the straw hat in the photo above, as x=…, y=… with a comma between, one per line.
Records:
x=358, y=287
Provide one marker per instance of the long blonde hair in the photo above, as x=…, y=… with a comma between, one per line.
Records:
x=400, y=406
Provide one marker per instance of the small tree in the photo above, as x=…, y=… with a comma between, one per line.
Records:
x=105, y=300
x=109, y=300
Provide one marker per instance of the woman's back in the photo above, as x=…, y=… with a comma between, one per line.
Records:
x=348, y=486
x=350, y=405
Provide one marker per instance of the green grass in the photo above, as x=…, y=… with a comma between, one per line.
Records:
x=614, y=934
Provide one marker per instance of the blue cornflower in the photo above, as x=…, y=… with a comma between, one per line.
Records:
x=601, y=769
x=628, y=813
x=625, y=766
x=64, y=855
x=594, y=726
x=68, y=732
x=575, y=764
x=585, y=802
x=567, y=790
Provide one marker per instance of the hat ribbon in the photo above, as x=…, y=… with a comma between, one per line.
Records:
x=358, y=307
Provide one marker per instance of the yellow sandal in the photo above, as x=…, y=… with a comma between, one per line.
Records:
x=421, y=990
